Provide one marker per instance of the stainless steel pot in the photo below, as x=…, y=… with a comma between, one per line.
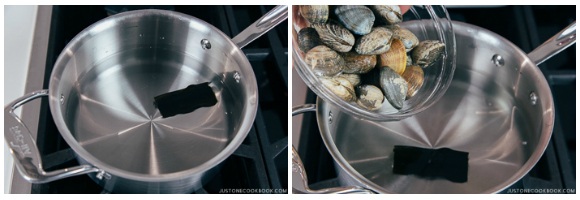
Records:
x=101, y=97
x=498, y=108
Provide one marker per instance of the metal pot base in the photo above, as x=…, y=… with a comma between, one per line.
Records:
x=490, y=128
x=112, y=115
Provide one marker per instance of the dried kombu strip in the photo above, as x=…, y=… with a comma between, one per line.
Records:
x=431, y=163
x=185, y=100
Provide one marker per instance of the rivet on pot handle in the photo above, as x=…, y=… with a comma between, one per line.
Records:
x=24, y=150
x=263, y=25
x=299, y=178
x=554, y=45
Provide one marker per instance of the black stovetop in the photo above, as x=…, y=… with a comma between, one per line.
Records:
x=527, y=27
x=259, y=163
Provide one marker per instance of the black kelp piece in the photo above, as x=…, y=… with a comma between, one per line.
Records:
x=185, y=100
x=443, y=163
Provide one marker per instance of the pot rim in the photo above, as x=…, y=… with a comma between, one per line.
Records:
x=248, y=116
x=546, y=132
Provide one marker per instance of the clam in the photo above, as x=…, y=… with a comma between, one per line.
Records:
x=324, y=61
x=358, y=19
x=307, y=39
x=315, y=13
x=352, y=78
x=395, y=57
x=358, y=64
x=406, y=36
x=376, y=42
x=393, y=86
x=370, y=97
x=335, y=36
x=390, y=14
x=427, y=52
x=414, y=76
x=339, y=86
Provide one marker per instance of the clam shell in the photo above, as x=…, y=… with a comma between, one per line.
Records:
x=370, y=97
x=409, y=39
x=324, y=61
x=315, y=13
x=409, y=60
x=376, y=42
x=335, y=36
x=395, y=57
x=393, y=86
x=339, y=86
x=390, y=14
x=307, y=39
x=358, y=19
x=427, y=52
x=352, y=78
x=414, y=76
x=358, y=64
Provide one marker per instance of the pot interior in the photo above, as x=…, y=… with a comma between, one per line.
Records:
x=486, y=112
x=110, y=73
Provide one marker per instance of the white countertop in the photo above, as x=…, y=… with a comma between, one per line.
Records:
x=18, y=33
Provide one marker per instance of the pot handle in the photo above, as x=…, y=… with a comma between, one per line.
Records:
x=23, y=147
x=554, y=45
x=299, y=178
x=261, y=26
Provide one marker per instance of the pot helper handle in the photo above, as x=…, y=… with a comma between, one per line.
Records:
x=23, y=147
x=554, y=45
x=274, y=17
x=299, y=178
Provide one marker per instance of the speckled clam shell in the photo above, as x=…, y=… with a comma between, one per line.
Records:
x=356, y=18
x=370, y=97
x=324, y=61
x=409, y=39
x=376, y=42
x=390, y=14
x=339, y=86
x=395, y=57
x=308, y=38
x=358, y=64
x=315, y=13
x=335, y=36
x=393, y=86
x=427, y=52
x=414, y=76
x=353, y=78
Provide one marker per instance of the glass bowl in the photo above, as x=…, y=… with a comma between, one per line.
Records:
x=427, y=23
